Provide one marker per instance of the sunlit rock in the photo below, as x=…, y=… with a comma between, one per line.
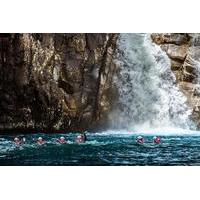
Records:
x=184, y=52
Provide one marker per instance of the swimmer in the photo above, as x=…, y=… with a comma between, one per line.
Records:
x=62, y=140
x=40, y=141
x=156, y=140
x=79, y=139
x=140, y=140
x=82, y=138
x=17, y=141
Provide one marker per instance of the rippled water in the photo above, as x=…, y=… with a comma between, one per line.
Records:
x=102, y=149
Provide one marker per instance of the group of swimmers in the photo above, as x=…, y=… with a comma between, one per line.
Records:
x=82, y=138
x=40, y=141
x=141, y=140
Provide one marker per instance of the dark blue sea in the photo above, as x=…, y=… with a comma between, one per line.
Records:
x=102, y=149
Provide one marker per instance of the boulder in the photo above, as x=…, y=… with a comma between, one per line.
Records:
x=175, y=52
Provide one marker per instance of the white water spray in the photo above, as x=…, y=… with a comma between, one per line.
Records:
x=148, y=95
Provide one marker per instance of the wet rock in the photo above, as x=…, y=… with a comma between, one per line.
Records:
x=95, y=40
x=55, y=82
x=171, y=38
x=65, y=86
x=192, y=61
x=78, y=42
x=176, y=65
x=175, y=51
x=184, y=53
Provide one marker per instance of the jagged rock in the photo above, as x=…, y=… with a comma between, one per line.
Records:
x=55, y=82
x=175, y=52
x=176, y=65
x=184, y=52
x=171, y=38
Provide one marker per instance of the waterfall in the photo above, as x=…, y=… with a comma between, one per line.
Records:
x=148, y=95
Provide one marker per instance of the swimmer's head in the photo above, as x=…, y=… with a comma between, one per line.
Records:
x=79, y=137
x=40, y=139
x=140, y=139
x=16, y=139
x=62, y=139
x=157, y=139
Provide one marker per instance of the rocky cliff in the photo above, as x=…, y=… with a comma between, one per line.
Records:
x=55, y=82
x=184, y=52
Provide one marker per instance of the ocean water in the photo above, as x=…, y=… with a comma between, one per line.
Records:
x=103, y=149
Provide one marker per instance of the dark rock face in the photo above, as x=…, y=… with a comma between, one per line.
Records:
x=55, y=82
x=184, y=52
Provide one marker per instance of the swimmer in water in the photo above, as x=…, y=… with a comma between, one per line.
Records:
x=62, y=140
x=81, y=138
x=40, y=141
x=17, y=141
x=156, y=140
x=140, y=140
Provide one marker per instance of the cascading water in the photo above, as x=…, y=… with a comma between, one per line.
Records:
x=148, y=95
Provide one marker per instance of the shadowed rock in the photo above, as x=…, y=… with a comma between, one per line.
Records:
x=55, y=82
